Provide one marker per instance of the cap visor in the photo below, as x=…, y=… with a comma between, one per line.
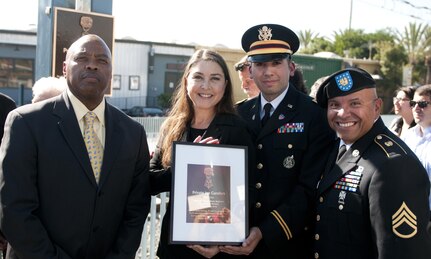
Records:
x=267, y=57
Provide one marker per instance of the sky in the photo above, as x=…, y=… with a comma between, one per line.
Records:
x=209, y=23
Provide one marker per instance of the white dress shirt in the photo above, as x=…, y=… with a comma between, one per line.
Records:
x=420, y=143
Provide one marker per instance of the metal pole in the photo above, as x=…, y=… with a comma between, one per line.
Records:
x=83, y=5
x=351, y=11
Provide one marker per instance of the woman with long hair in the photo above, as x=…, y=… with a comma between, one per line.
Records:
x=202, y=112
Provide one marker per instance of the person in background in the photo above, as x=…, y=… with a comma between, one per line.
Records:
x=47, y=87
x=291, y=138
x=418, y=138
x=315, y=87
x=202, y=112
x=372, y=199
x=74, y=177
x=247, y=83
x=297, y=80
x=7, y=104
x=403, y=96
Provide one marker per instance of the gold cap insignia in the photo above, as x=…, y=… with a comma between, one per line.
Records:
x=404, y=222
x=265, y=33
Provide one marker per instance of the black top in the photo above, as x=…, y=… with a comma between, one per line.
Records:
x=230, y=130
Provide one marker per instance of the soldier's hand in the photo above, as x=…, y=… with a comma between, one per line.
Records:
x=206, y=251
x=247, y=246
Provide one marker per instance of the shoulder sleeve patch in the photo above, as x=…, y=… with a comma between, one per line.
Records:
x=389, y=145
x=404, y=222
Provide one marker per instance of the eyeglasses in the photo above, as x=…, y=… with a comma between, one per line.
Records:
x=240, y=67
x=421, y=104
x=396, y=99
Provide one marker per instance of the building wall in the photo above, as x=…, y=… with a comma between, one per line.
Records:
x=130, y=63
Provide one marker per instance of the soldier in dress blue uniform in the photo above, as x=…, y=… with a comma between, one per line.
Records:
x=372, y=199
x=292, y=139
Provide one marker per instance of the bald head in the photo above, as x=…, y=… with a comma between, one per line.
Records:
x=77, y=45
x=88, y=69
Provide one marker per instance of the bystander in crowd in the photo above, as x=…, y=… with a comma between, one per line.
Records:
x=47, y=87
x=401, y=101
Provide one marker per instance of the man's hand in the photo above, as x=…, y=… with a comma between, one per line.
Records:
x=247, y=246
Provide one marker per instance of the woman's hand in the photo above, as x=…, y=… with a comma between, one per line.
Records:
x=209, y=140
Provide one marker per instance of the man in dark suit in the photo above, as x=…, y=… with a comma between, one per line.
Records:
x=7, y=104
x=372, y=201
x=56, y=201
x=291, y=147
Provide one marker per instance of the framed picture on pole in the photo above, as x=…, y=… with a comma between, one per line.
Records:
x=70, y=25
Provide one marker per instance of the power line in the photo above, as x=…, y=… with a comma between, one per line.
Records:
x=413, y=14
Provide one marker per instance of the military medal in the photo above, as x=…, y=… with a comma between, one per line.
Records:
x=350, y=181
x=289, y=162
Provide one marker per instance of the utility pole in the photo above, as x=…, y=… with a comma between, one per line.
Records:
x=83, y=5
x=350, y=17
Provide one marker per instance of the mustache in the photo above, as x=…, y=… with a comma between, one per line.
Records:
x=90, y=74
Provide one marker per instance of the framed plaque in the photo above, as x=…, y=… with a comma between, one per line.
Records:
x=70, y=25
x=134, y=82
x=209, y=194
x=116, y=82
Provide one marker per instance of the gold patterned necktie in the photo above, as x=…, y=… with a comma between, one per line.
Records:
x=92, y=142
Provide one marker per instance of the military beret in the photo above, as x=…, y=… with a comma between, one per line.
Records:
x=266, y=42
x=343, y=82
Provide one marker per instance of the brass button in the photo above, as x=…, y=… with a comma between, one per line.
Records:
x=316, y=237
x=341, y=207
x=259, y=166
x=316, y=255
x=258, y=185
x=259, y=146
x=321, y=199
x=258, y=205
x=318, y=218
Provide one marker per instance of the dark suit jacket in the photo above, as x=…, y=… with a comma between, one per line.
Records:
x=51, y=204
x=360, y=202
x=230, y=130
x=291, y=153
x=6, y=105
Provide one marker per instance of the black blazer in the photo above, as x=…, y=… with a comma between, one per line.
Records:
x=291, y=153
x=6, y=105
x=51, y=205
x=230, y=130
x=373, y=203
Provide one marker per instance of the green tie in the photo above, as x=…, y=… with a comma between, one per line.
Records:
x=94, y=147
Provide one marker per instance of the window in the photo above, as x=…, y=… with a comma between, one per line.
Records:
x=16, y=72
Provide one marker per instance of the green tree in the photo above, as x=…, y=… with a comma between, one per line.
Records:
x=305, y=38
x=351, y=43
x=319, y=44
x=415, y=38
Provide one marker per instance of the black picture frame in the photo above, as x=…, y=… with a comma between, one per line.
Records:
x=209, y=194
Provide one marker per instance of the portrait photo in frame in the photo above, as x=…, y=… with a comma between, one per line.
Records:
x=209, y=194
x=134, y=82
x=116, y=82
